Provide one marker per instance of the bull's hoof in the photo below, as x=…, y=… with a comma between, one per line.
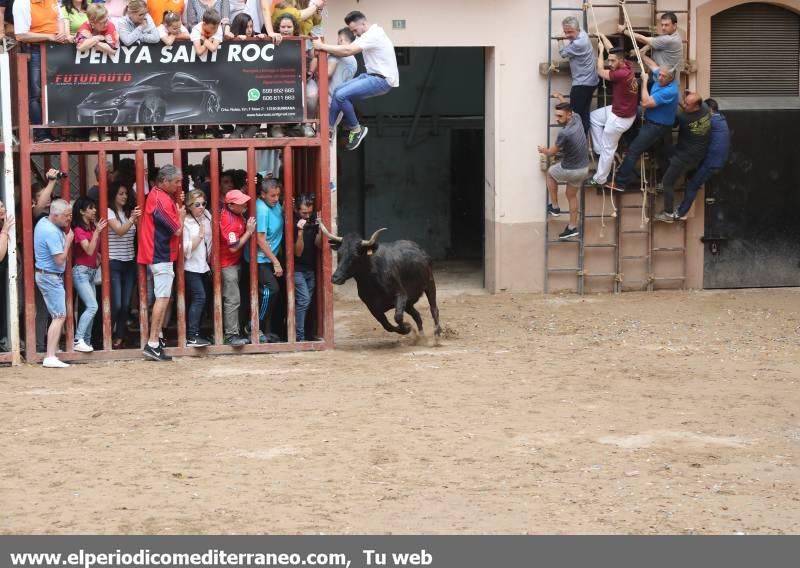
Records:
x=404, y=328
x=438, y=331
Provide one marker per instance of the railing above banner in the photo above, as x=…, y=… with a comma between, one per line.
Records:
x=243, y=82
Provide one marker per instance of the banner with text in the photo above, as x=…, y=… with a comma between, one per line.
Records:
x=242, y=82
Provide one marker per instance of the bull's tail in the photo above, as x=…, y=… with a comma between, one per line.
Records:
x=430, y=293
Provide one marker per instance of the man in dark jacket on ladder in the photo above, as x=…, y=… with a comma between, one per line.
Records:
x=694, y=122
x=715, y=160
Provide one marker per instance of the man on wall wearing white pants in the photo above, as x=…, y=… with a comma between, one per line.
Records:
x=609, y=123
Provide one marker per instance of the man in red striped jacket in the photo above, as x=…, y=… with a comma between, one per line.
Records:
x=159, y=242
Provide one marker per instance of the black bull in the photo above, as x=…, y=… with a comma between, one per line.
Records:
x=388, y=275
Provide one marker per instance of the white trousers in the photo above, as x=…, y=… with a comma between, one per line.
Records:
x=607, y=129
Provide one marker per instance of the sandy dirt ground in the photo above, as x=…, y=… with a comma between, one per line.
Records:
x=672, y=412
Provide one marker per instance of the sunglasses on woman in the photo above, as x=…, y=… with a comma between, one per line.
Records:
x=199, y=204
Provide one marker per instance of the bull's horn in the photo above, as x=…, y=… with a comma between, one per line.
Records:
x=327, y=233
x=373, y=239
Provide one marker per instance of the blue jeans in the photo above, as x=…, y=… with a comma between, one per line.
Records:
x=35, y=88
x=195, y=284
x=83, y=283
x=362, y=87
x=123, y=279
x=702, y=175
x=649, y=135
x=304, y=283
x=678, y=166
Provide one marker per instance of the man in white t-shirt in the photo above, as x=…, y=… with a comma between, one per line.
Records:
x=381, y=76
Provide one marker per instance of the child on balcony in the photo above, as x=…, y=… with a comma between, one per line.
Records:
x=135, y=28
x=99, y=33
x=172, y=29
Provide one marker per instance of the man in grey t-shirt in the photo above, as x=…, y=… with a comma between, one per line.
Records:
x=573, y=168
x=577, y=48
x=667, y=48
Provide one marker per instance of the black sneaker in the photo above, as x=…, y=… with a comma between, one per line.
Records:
x=355, y=137
x=156, y=354
x=197, y=342
x=568, y=233
x=615, y=186
x=553, y=211
x=162, y=343
x=236, y=341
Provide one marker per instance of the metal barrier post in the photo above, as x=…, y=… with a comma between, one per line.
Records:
x=105, y=264
x=288, y=235
x=25, y=207
x=324, y=283
x=69, y=324
x=12, y=303
x=180, y=276
x=144, y=320
x=213, y=166
x=252, y=264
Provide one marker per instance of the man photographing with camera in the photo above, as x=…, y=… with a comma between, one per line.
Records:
x=306, y=243
x=42, y=196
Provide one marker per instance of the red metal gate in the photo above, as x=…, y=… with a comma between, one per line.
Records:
x=305, y=170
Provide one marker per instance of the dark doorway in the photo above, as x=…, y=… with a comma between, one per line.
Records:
x=466, y=194
x=420, y=171
x=752, y=229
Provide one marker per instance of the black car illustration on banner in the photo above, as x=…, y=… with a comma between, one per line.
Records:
x=156, y=99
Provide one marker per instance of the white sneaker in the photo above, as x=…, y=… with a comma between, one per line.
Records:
x=81, y=347
x=140, y=135
x=130, y=135
x=54, y=363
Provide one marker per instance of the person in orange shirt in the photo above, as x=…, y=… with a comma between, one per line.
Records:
x=158, y=7
x=36, y=22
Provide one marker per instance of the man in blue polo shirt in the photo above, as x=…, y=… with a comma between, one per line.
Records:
x=269, y=236
x=52, y=242
x=661, y=106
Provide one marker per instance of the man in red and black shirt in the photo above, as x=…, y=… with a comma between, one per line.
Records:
x=611, y=122
x=234, y=234
x=159, y=242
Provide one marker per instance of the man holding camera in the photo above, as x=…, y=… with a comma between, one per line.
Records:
x=52, y=242
x=306, y=243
